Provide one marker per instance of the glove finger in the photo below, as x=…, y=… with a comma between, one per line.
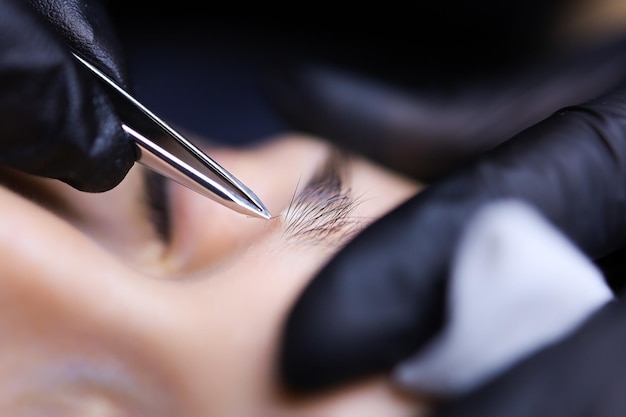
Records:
x=381, y=297
x=426, y=129
x=87, y=28
x=56, y=120
x=580, y=376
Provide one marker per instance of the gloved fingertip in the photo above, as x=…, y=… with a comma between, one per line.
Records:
x=103, y=169
x=287, y=90
x=337, y=333
x=100, y=181
x=316, y=350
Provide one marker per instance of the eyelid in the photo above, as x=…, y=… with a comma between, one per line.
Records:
x=322, y=211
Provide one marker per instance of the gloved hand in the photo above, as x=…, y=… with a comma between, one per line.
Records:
x=55, y=119
x=381, y=298
x=580, y=376
x=516, y=286
x=427, y=125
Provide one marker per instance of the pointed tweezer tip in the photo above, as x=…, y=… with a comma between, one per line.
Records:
x=265, y=214
x=250, y=205
x=257, y=212
x=260, y=211
x=174, y=157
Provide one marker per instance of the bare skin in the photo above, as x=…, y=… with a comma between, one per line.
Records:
x=100, y=316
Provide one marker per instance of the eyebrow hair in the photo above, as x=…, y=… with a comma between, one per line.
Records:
x=322, y=212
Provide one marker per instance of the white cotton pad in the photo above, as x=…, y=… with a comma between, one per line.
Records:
x=517, y=284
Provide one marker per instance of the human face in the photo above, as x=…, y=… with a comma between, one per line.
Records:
x=110, y=307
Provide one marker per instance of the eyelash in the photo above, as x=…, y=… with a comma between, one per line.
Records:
x=156, y=190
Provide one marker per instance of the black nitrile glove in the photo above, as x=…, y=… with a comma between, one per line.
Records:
x=427, y=125
x=583, y=375
x=55, y=119
x=381, y=298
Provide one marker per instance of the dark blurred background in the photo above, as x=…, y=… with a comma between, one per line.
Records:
x=201, y=65
x=201, y=73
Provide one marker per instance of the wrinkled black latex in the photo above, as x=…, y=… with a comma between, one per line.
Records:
x=381, y=298
x=55, y=119
x=581, y=376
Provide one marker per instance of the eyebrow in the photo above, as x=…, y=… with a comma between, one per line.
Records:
x=322, y=213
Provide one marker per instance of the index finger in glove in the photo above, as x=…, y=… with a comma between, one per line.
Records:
x=427, y=128
x=381, y=298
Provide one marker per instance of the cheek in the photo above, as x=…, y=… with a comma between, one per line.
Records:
x=72, y=320
x=230, y=323
x=374, y=397
x=94, y=338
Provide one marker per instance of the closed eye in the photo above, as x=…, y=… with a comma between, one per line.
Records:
x=157, y=200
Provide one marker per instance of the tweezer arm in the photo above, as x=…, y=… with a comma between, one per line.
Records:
x=167, y=152
x=193, y=174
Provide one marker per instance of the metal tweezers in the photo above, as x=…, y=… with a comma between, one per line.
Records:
x=165, y=151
